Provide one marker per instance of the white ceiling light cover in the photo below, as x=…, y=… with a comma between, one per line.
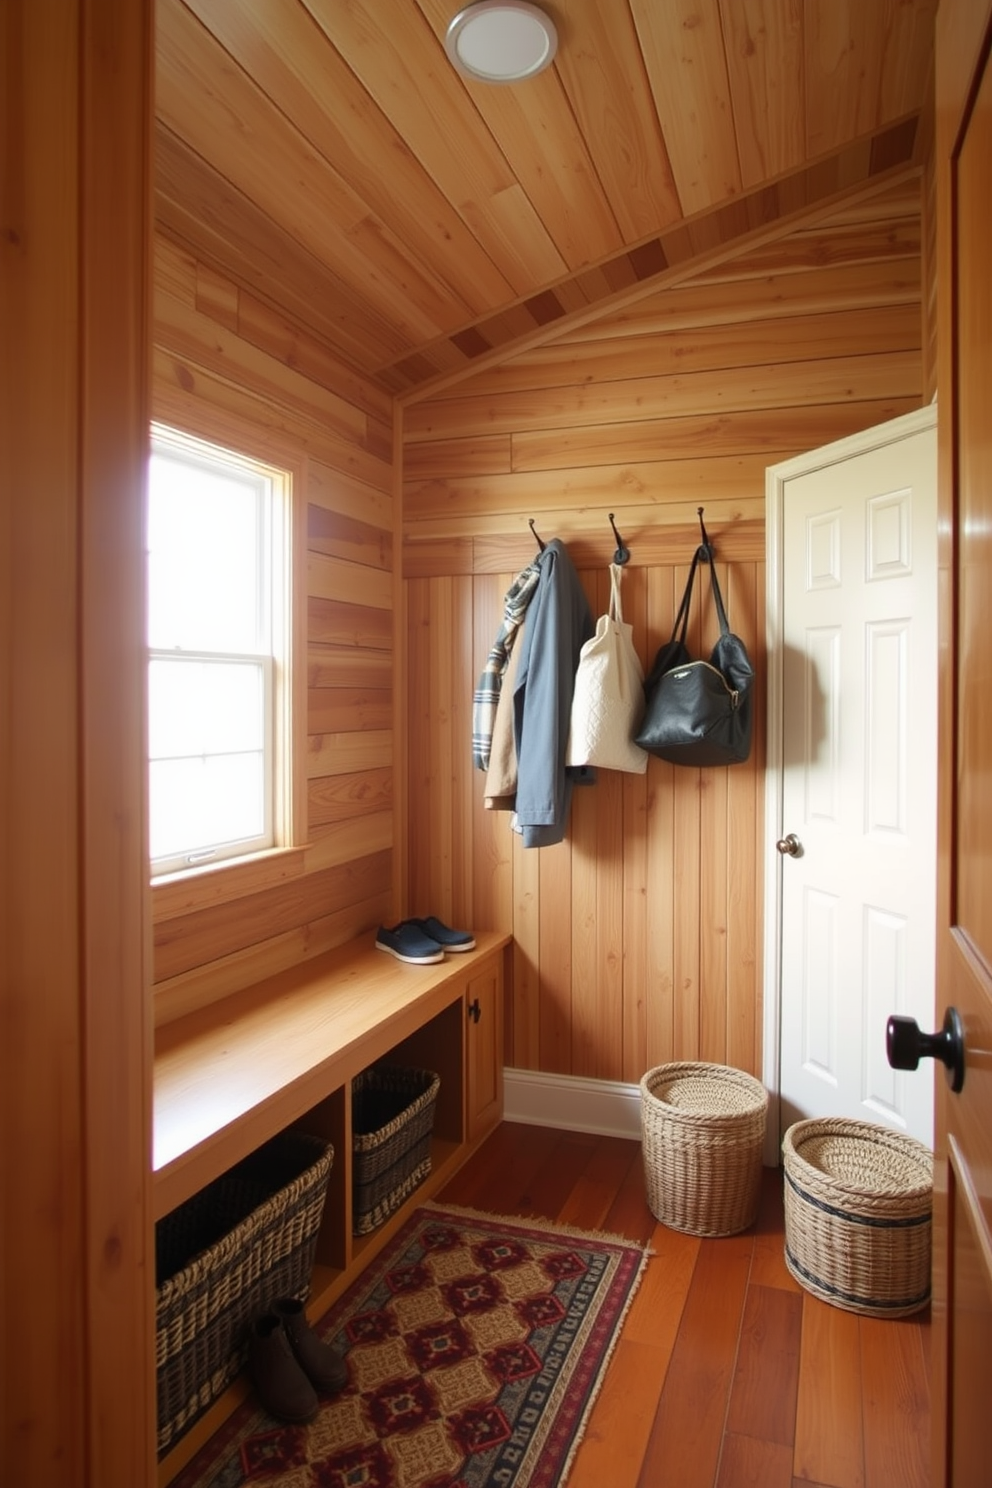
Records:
x=501, y=41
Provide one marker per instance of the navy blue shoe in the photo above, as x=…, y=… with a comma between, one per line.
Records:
x=449, y=940
x=407, y=942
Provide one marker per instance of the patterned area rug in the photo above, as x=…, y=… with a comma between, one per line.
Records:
x=475, y=1347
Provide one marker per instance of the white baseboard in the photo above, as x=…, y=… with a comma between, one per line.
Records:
x=604, y=1107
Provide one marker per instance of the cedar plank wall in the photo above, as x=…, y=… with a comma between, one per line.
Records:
x=638, y=939
x=228, y=369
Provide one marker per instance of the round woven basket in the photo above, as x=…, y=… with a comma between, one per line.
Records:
x=858, y=1201
x=702, y=1130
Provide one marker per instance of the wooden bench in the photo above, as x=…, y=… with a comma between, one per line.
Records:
x=231, y=1075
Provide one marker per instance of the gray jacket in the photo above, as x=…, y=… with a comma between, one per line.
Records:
x=559, y=621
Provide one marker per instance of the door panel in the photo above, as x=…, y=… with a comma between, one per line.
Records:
x=962, y=1306
x=859, y=689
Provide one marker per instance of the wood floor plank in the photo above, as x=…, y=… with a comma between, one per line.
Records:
x=593, y=1195
x=613, y=1447
x=655, y=1315
x=629, y=1213
x=766, y=1379
x=829, y=1429
x=896, y=1405
x=684, y=1447
x=768, y=1267
x=749, y=1463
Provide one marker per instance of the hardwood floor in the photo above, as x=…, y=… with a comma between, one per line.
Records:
x=727, y=1374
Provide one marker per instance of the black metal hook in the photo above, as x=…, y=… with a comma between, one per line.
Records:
x=530, y=523
x=705, y=552
x=622, y=554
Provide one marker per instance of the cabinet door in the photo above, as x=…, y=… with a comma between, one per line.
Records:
x=484, y=1046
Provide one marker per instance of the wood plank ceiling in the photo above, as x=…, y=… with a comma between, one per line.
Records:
x=327, y=154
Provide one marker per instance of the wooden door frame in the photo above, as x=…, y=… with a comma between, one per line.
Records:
x=776, y=479
x=77, y=1343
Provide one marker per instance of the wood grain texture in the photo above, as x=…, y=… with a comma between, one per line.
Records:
x=76, y=1313
x=467, y=219
x=638, y=939
x=295, y=405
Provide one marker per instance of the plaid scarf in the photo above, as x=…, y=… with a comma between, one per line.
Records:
x=486, y=695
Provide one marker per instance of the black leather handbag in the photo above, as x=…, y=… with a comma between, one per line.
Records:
x=699, y=712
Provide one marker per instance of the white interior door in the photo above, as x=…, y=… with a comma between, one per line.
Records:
x=853, y=707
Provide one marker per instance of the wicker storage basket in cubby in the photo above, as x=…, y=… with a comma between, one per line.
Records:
x=223, y=1257
x=702, y=1131
x=858, y=1202
x=392, y=1121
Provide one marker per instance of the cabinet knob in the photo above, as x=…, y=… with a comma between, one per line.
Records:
x=474, y=1010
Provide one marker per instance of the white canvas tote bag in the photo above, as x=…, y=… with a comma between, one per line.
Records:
x=608, y=701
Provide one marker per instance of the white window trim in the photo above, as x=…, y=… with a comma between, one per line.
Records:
x=279, y=672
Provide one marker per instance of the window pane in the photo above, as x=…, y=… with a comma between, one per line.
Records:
x=204, y=707
x=206, y=802
x=205, y=550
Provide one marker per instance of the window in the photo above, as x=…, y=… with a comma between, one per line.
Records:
x=217, y=631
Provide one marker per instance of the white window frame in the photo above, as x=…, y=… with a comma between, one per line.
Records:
x=274, y=578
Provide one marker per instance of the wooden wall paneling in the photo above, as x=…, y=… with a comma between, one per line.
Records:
x=525, y=1001
x=461, y=909
x=633, y=858
x=662, y=603
x=76, y=1317
x=637, y=938
x=113, y=411
x=280, y=394
x=438, y=888
x=417, y=604
x=205, y=935
x=218, y=348
x=784, y=383
x=487, y=831
x=557, y=957
x=491, y=508
x=707, y=347
x=716, y=298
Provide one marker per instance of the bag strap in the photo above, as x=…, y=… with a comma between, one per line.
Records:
x=681, y=625
x=616, y=608
x=717, y=596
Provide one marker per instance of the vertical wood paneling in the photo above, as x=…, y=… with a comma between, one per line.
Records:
x=637, y=940
x=76, y=1317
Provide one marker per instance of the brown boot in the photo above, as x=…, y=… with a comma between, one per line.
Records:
x=280, y=1383
x=322, y=1365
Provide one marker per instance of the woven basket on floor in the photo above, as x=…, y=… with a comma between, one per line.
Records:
x=392, y=1118
x=858, y=1201
x=224, y=1256
x=702, y=1131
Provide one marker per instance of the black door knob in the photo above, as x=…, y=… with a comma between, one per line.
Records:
x=906, y=1045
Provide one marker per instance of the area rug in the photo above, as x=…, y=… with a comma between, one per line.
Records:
x=475, y=1346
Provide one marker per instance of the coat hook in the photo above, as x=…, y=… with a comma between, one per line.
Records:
x=622, y=554
x=530, y=523
x=706, y=552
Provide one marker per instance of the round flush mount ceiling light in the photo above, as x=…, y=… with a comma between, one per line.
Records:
x=501, y=41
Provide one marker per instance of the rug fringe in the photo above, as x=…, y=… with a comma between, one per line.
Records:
x=539, y=1221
